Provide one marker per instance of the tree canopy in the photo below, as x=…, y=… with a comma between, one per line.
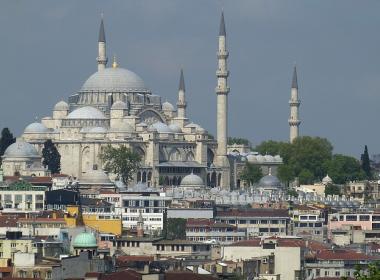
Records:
x=251, y=173
x=372, y=273
x=239, y=141
x=6, y=140
x=51, y=157
x=310, y=159
x=121, y=161
x=332, y=190
x=174, y=228
x=343, y=168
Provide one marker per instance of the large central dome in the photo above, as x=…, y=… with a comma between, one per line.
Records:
x=115, y=79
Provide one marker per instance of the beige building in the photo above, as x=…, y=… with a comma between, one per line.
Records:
x=288, y=255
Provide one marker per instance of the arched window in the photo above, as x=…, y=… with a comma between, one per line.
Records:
x=190, y=156
x=175, y=155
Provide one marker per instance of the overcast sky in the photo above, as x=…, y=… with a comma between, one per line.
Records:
x=49, y=48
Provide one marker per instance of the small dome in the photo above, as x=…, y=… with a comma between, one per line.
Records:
x=270, y=181
x=161, y=127
x=252, y=158
x=192, y=180
x=260, y=158
x=119, y=105
x=327, y=180
x=175, y=128
x=36, y=127
x=167, y=106
x=277, y=158
x=115, y=79
x=20, y=149
x=98, y=129
x=192, y=125
x=86, y=112
x=96, y=177
x=85, y=240
x=268, y=158
x=61, y=106
x=201, y=130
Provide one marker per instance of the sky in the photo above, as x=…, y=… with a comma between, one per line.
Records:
x=48, y=49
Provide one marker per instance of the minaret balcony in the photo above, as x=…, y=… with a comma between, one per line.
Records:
x=222, y=54
x=294, y=102
x=222, y=73
x=222, y=90
x=294, y=122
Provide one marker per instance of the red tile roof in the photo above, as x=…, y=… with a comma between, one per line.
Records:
x=342, y=254
x=184, y=275
x=122, y=275
x=255, y=212
x=284, y=242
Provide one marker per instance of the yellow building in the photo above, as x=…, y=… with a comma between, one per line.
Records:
x=11, y=243
x=95, y=217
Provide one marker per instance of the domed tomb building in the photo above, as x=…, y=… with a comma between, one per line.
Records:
x=115, y=106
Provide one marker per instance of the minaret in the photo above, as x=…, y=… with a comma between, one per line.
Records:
x=181, y=104
x=222, y=91
x=102, y=56
x=294, y=103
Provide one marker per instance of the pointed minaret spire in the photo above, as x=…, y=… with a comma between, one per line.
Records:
x=102, y=55
x=222, y=27
x=294, y=81
x=294, y=102
x=181, y=104
x=102, y=35
x=181, y=82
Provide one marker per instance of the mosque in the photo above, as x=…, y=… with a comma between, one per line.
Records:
x=114, y=106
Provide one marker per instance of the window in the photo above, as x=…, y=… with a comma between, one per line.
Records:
x=36, y=274
x=337, y=273
x=364, y=218
x=13, y=245
x=48, y=275
x=351, y=218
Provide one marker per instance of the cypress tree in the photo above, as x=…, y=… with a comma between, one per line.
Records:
x=366, y=163
x=51, y=157
x=6, y=140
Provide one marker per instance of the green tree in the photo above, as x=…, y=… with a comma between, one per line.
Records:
x=365, y=163
x=51, y=157
x=343, y=168
x=272, y=148
x=372, y=273
x=306, y=176
x=292, y=192
x=332, y=190
x=285, y=173
x=121, y=161
x=174, y=228
x=6, y=140
x=251, y=173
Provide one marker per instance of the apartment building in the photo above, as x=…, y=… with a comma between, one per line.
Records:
x=206, y=230
x=257, y=222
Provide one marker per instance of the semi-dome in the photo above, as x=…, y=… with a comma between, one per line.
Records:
x=270, y=181
x=115, y=79
x=192, y=180
x=119, y=105
x=61, y=106
x=167, y=106
x=161, y=127
x=86, y=112
x=175, y=128
x=20, y=149
x=36, y=127
x=85, y=240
